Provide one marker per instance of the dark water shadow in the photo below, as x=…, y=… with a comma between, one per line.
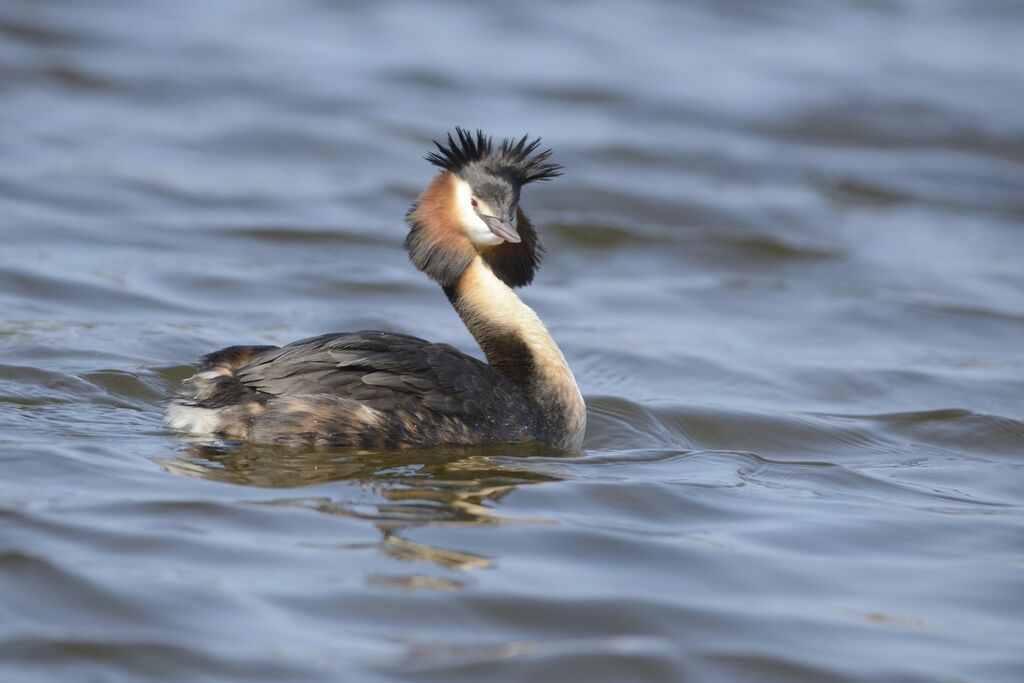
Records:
x=280, y=467
x=394, y=490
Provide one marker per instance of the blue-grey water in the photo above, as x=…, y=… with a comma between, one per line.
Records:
x=786, y=262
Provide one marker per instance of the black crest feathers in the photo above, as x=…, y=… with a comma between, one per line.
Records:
x=519, y=158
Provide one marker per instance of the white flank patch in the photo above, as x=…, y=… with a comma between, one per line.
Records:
x=212, y=374
x=191, y=419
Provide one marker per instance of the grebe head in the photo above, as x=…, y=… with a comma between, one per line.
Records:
x=472, y=207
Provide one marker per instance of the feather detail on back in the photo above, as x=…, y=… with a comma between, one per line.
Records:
x=361, y=389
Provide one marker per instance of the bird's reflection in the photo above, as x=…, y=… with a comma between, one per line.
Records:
x=405, y=489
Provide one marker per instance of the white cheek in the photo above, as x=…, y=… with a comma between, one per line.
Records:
x=477, y=230
x=474, y=227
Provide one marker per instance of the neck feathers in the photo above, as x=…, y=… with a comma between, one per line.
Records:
x=435, y=242
x=518, y=345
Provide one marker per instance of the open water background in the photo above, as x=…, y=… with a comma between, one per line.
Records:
x=786, y=262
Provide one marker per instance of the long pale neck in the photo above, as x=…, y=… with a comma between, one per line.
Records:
x=518, y=345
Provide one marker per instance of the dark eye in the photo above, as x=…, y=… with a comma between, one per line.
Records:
x=473, y=202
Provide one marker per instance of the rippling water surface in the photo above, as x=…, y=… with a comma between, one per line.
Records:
x=786, y=262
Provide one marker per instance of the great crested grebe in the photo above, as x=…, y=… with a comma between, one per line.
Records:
x=387, y=390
